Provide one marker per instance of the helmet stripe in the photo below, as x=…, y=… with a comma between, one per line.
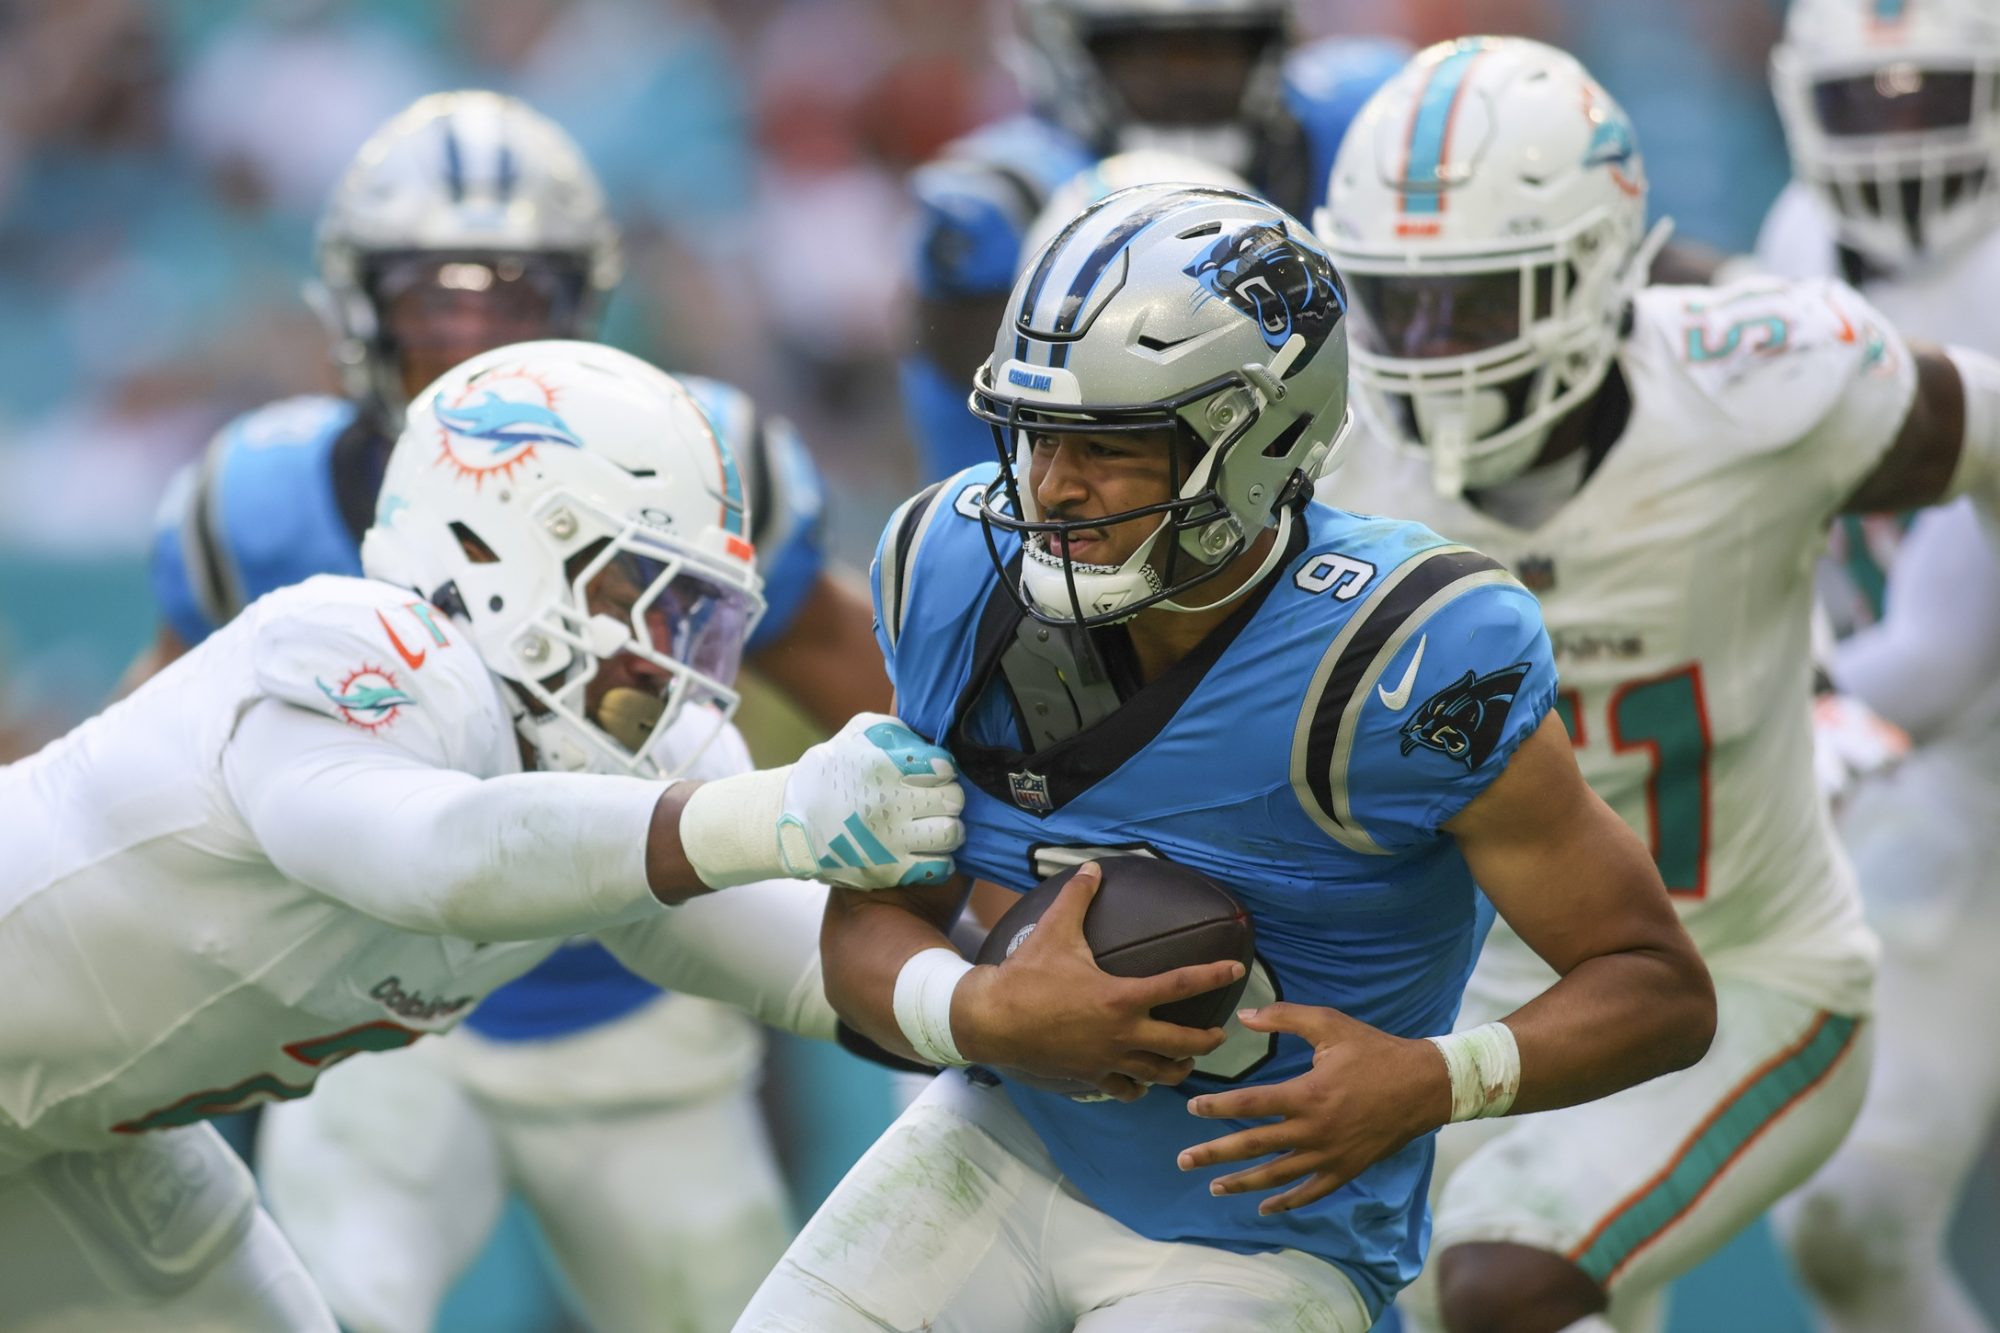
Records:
x=1430, y=131
x=454, y=162
x=505, y=184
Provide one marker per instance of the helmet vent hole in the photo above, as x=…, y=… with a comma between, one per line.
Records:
x=495, y=602
x=1205, y=229
x=1287, y=438
x=477, y=551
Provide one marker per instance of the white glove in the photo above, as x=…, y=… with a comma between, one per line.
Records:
x=1852, y=742
x=875, y=807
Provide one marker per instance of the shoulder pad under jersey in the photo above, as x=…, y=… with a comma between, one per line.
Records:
x=1762, y=364
x=1326, y=83
x=373, y=656
x=1419, y=701
x=1797, y=238
x=977, y=200
x=260, y=510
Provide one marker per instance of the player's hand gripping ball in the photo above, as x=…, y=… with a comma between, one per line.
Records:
x=1149, y=917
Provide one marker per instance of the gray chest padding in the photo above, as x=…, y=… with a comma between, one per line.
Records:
x=1059, y=680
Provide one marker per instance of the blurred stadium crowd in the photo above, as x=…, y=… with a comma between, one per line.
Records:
x=162, y=164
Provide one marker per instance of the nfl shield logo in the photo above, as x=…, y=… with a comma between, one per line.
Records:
x=1030, y=791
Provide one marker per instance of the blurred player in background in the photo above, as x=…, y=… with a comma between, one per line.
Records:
x=1217, y=80
x=1344, y=720
x=1892, y=112
x=468, y=222
x=1660, y=465
x=362, y=804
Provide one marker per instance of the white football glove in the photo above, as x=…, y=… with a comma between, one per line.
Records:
x=874, y=807
x=1851, y=742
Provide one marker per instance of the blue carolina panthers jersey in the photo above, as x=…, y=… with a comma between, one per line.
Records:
x=286, y=491
x=977, y=201
x=1305, y=755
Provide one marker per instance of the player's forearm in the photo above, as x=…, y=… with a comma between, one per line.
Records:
x=1614, y=1021
x=529, y=856
x=865, y=940
x=755, y=946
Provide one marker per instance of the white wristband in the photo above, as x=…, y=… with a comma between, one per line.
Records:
x=731, y=831
x=1484, y=1064
x=923, y=1004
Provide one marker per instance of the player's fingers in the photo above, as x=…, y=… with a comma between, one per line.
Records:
x=1315, y=1187
x=1312, y=1022
x=1244, y=1144
x=1183, y=982
x=1174, y=1041
x=1254, y=1103
x=1072, y=901
x=1145, y=1067
x=1121, y=1087
x=1278, y=1171
x=933, y=835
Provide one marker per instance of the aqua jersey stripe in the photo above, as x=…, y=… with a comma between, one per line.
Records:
x=1750, y=1110
x=1430, y=129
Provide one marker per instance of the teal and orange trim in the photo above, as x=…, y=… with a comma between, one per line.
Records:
x=1422, y=203
x=1741, y=1118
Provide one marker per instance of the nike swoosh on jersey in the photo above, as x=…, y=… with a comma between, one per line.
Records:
x=415, y=659
x=1397, y=698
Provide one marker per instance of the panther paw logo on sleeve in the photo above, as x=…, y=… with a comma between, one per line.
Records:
x=367, y=697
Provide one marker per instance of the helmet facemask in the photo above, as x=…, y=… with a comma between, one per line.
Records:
x=1903, y=145
x=654, y=636
x=1133, y=75
x=1470, y=360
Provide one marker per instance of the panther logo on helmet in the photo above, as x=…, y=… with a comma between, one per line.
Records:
x=1270, y=275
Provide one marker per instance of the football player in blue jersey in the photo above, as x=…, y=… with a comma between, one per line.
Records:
x=468, y=222
x=1214, y=79
x=1346, y=720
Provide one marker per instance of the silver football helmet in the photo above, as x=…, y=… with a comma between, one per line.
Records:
x=469, y=207
x=1196, y=310
x=1074, y=58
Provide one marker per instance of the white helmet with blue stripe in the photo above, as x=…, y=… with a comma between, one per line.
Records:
x=1892, y=112
x=475, y=194
x=1488, y=210
x=1197, y=311
x=572, y=510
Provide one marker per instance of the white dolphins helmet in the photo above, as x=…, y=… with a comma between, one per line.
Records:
x=569, y=506
x=473, y=194
x=1488, y=212
x=1121, y=171
x=1210, y=316
x=1892, y=112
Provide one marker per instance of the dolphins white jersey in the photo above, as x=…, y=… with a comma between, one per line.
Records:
x=310, y=837
x=1677, y=589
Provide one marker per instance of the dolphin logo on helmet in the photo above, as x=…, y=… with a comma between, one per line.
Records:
x=504, y=423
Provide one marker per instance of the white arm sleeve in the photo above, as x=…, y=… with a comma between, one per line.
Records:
x=1937, y=646
x=526, y=856
x=755, y=946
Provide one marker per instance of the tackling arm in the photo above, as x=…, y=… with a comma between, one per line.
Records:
x=1634, y=1000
